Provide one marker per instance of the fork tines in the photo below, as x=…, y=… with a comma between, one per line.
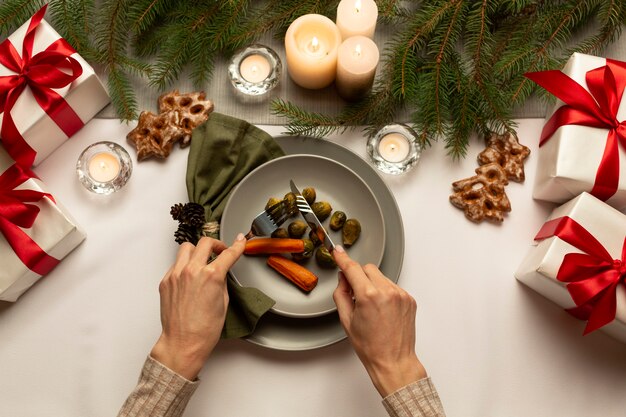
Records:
x=302, y=204
x=276, y=213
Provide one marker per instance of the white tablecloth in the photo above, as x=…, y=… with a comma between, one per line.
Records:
x=73, y=345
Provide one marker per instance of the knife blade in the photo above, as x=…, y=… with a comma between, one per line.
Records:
x=311, y=219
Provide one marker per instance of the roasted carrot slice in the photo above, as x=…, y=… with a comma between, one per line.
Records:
x=273, y=245
x=294, y=272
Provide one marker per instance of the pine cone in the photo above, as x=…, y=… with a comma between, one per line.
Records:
x=186, y=233
x=176, y=211
x=193, y=214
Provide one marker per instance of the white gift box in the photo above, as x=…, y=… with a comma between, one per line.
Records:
x=86, y=96
x=540, y=267
x=569, y=160
x=54, y=231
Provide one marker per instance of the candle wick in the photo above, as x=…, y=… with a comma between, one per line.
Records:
x=357, y=50
x=254, y=68
x=357, y=5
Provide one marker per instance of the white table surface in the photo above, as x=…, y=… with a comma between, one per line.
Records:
x=73, y=345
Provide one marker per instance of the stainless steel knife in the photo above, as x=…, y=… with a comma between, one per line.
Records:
x=311, y=219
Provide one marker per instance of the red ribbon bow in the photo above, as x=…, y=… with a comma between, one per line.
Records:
x=593, y=276
x=15, y=214
x=596, y=109
x=51, y=68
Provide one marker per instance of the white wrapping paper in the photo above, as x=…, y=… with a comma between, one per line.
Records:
x=86, y=95
x=569, y=160
x=54, y=231
x=540, y=267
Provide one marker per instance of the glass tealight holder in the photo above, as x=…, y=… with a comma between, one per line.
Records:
x=104, y=167
x=394, y=149
x=255, y=71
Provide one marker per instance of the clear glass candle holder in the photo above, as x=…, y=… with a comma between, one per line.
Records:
x=255, y=71
x=394, y=149
x=104, y=167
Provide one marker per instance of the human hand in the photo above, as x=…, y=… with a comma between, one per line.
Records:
x=194, y=300
x=379, y=319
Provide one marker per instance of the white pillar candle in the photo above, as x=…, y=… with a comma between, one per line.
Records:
x=394, y=147
x=311, y=45
x=357, y=60
x=103, y=167
x=357, y=17
x=255, y=68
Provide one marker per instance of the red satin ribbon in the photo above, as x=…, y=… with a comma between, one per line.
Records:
x=595, y=109
x=16, y=214
x=593, y=276
x=51, y=68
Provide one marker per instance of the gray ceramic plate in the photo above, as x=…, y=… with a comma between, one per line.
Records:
x=291, y=334
x=333, y=182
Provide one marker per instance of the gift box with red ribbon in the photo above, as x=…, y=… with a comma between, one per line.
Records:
x=36, y=232
x=583, y=142
x=47, y=91
x=579, y=262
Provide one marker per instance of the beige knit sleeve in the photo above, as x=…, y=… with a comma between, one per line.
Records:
x=418, y=399
x=160, y=392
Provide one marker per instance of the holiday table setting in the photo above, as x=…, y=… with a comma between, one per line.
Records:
x=517, y=268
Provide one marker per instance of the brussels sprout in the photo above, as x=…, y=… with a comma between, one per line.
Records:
x=272, y=201
x=350, y=232
x=309, y=195
x=314, y=238
x=280, y=233
x=309, y=248
x=322, y=210
x=337, y=220
x=291, y=205
x=324, y=258
x=296, y=229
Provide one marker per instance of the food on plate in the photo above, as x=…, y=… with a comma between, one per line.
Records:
x=309, y=195
x=309, y=248
x=314, y=238
x=324, y=258
x=296, y=229
x=322, y=209
x=265, y=245
x=337, y=220
x=271, y=202
x=297, y=274
x=291, y=204
x=280, y=233
x=350, y=232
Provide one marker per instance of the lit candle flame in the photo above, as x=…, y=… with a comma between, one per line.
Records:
x=357, y=5
x=357, y=50
x=254, y=69
x=315, y=44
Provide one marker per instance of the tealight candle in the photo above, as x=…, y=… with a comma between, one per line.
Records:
x=394, y=149
x=254, y=71
x=357, y=17
x=254, y=68
x=357, y=60
x=104, y=167
x=311, y=45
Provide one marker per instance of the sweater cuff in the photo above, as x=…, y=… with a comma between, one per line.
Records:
x=160, y=391
x=417, y=399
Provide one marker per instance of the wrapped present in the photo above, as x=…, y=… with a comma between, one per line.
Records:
x=583, y=142
x=47, y=91
x=35, y=231
x=579, y=262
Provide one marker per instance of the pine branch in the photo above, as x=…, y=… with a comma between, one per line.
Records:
x=13, y=13
x=70, y=19
x=301, y=122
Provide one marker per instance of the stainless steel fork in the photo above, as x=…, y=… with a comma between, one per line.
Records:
x=267, y=221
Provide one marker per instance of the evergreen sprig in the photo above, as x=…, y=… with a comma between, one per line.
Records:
x=455, y=66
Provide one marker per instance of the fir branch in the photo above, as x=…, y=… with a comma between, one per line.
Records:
x=70, y=18
x=302, y=122
x=13, y=13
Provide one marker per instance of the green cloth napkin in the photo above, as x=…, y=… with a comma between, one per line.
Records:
x=223, y=151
